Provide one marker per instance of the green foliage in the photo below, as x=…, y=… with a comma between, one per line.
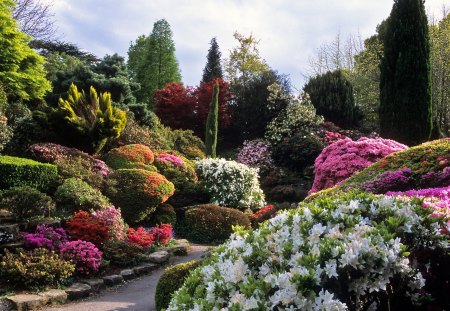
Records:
x=189, y=145
x=123, y=254
x=212, y=125
x=92, y=120
x=26, y=203
x=21, y=68
x=211, y=223
x=152, y=62
x=332, y=96
x=74, y=194
x=164, y=214
x=16, y=172
x=170, y=281
x=213, y=68
x=81, y=168
x=138, y=192
x=35, y=269
x=405, y=86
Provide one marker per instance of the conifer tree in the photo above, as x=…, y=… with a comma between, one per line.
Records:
x=405, y=90
x=213, y=68
x=212, y=124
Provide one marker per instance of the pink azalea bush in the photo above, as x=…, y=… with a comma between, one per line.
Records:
x=255, y=153
x=46, y=237
x=112, y=217
x=85, y=255
x=170, y=158
x=346, y=157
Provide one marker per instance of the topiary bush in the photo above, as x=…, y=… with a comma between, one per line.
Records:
x=211, y=223
x=35, y=269
x=129, y=156
x=230, y=183
x=16, y=172
x=171, y=280
x=348, y=252
x=75, y=194
x=26, y=203
x=138, y=192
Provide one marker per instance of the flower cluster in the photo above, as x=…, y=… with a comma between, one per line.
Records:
x=85, y=255
x=167, y=157
x=331, y=137
x=345, y=157
x=162, y=234
x=256, y=153
x=436, y=179
x=129, y=156
x=264, y=214
x=85, y=227
x=46, y=237
x=140, y=237
x=112, y=218
x=390, y=181
x=339, y=253
x=231, y=184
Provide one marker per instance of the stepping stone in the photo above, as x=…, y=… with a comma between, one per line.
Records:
x=112, y=280
x=159, y=257
x=95, y=284
x=127, y=274
x=24, y=302
x=55, y=296
x=145, y=268
x=77, y=291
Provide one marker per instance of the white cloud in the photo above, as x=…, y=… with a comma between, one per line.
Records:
x=289, y=31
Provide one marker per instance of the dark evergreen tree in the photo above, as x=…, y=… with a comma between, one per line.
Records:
x=213, y=68
x=332, y=96
x=405, y=90
x=212, y=124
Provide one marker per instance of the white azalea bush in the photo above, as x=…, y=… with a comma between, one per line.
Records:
x=354, y=252
x=231, y=184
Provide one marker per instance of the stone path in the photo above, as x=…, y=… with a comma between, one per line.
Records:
x=137, y=295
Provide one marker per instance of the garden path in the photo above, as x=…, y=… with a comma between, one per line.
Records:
x=137, y=295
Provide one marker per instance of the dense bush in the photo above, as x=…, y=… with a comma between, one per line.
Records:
x=352, y=252
x=212, y=223
x=231, y=184
x=82, y=169
x=263, y=215
x=74, y=194
x=164, y=214
x=140, y=237
x=6, y=132
x=171, y=280
x=85, y=227
x=123, y=254
x=188, y=144
x=85, y=255
x=17, y=172
x=36, y=268
x=26, y=203
x=112, y=218
x=346, y=157
x=138, y=192
x=46, y=237
x=129, y=156
x=256, y=153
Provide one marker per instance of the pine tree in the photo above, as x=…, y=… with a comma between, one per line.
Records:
x=212, y=124
x=405, y=90
x=213, y=68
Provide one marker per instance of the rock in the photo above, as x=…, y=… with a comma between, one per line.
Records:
x=159, y=257
x=145, y=268
x=55, y=296
x=9, y=233
x=127, y=274
x=181, y=249
x=77, y=291
x=95, y=284
x=27, y=302
x=112, y=280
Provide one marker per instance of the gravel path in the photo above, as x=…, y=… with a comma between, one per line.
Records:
x=137, y=295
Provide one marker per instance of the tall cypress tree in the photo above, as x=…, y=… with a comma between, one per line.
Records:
x=212, y=124
x=213, y=68
x=405, y=88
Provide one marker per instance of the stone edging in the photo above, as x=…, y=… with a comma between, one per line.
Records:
x=85, y=287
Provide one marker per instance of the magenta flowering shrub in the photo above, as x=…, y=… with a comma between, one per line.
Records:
x=346, y=157
x=390, y=181
x=436, y=179
x=170, y=158
x=112, y=218
x=46, y=237
x=256, y=153
x=85, y=255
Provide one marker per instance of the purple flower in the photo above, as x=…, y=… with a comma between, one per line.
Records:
x=46, y=237
x=255, y=153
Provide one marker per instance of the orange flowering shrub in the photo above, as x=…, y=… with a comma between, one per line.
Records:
x=130, y=156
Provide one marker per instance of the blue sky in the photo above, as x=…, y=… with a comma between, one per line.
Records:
x=290, y=31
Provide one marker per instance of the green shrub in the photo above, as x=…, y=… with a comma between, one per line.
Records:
x=81, y=168
x=211, y=223
x=75, y=194
x=26, y=203
x=6, y=132
x=122, y=253
x=188, y=144
x=164, y=214
x=170, y=281
x=17, y=172
x=129, y=156
x=138, y=192
x=36, y=268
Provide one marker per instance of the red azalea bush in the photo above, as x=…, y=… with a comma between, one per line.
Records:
x=140, y=237
x=346, y=157
x=263, y=214
x=162, y=234
x=85, y=227
x=112, y=217
x=86, y=257
x=130, y=156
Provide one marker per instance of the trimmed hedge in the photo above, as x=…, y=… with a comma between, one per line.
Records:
x=19, y=172
x=209, y=223
x=171, y=280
